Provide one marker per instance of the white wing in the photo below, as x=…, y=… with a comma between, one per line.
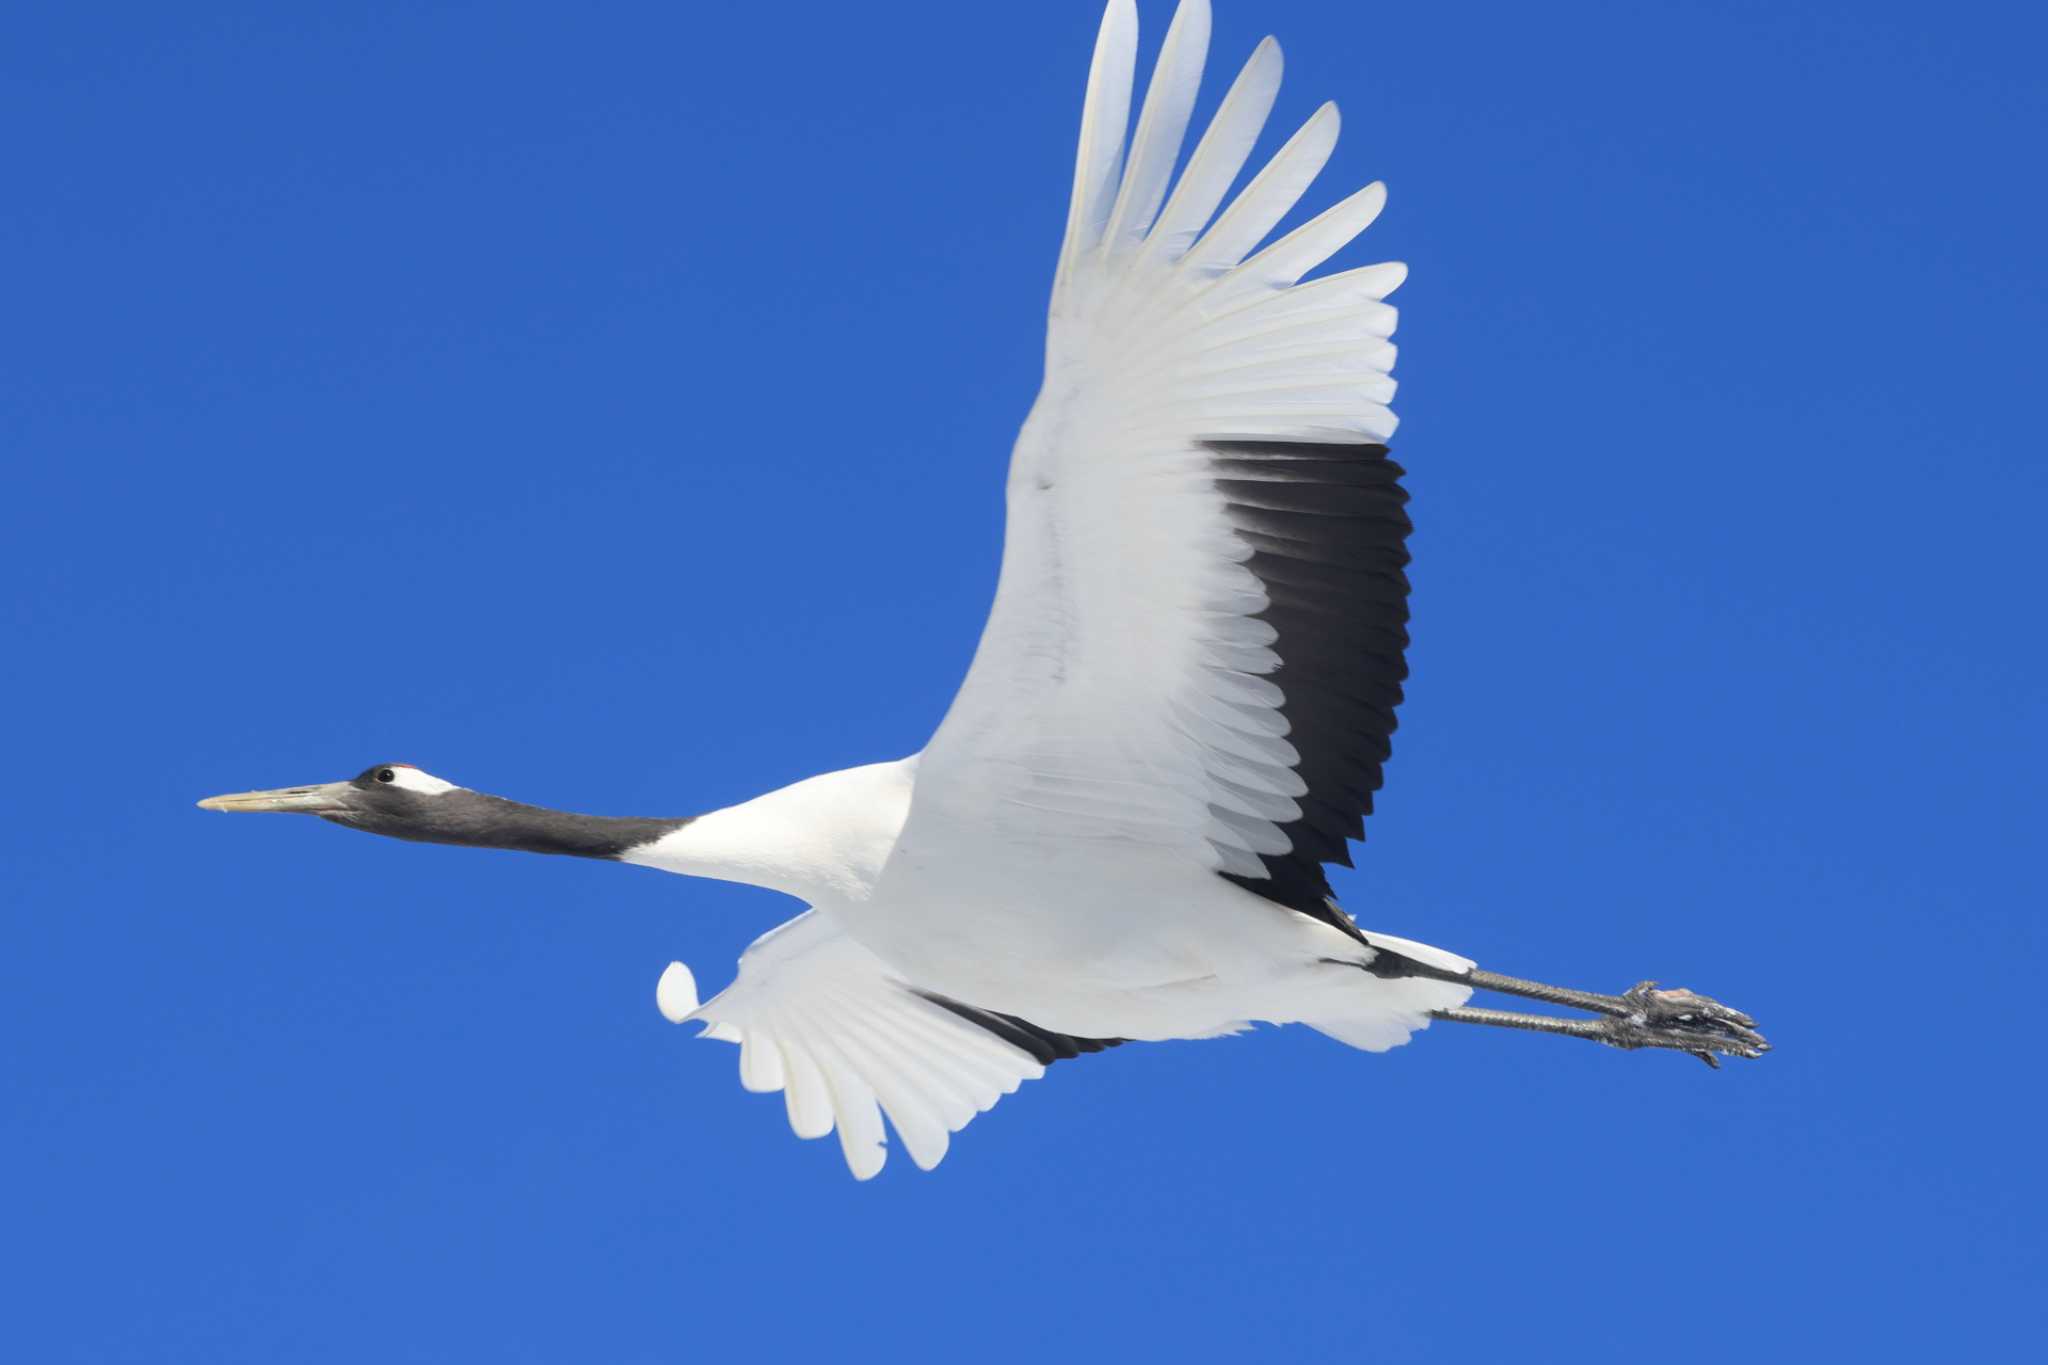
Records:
x=819, y=1018
x=1196, y=645
x=1197, y=640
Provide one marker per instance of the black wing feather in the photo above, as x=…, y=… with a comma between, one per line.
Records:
x=1328, y=527
x=1044, y=1045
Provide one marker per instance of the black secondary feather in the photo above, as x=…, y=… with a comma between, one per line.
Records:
x=1328, y=526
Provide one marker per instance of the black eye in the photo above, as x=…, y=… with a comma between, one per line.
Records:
x=386, y=775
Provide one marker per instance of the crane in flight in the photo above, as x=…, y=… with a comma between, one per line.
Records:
x=1176, y=717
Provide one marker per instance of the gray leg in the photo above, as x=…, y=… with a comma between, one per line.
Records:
x=1641, y=1017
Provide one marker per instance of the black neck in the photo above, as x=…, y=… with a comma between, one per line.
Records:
x=476, y=820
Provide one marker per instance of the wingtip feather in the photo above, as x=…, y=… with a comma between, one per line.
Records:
x=1105, y=118
x=675, y=995
x=1162, y=124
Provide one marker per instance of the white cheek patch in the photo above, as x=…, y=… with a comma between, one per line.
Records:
x=413, y=780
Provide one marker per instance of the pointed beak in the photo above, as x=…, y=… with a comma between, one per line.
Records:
x=320, y=800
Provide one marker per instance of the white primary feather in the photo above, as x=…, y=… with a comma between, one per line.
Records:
x=820, y=1018
x=1169, y=99
x=1105, y=112
x=1220, y=155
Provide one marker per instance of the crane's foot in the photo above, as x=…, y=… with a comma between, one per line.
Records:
x=1643, y=1016
x=1681, y=1021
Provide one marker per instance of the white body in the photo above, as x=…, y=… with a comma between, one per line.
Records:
x=1097, y=942
x=1054, y=853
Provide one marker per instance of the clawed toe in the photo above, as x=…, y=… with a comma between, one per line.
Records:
x=1684, y=1021
x=1643, y=1016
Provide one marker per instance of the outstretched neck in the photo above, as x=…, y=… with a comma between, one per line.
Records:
x=478, y=820
x=823, y=840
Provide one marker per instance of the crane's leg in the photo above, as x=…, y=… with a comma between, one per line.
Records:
x=1642, y=1016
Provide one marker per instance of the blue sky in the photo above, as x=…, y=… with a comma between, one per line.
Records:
x=606, y=405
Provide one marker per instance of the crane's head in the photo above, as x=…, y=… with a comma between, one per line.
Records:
x=389, y=798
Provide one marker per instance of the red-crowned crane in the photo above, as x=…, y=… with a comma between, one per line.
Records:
x=1178, y=712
